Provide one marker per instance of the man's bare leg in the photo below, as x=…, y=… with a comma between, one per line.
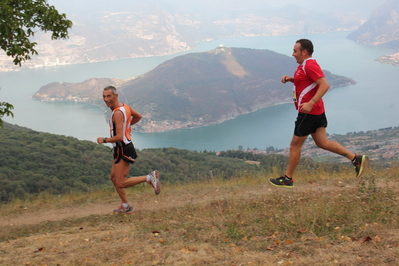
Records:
x=119, y=172
x=320, y=139
x=295, y=154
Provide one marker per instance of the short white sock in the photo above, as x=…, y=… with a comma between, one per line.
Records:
x=148, y=178
x=125, y=205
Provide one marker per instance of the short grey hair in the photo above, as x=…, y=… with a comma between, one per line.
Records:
x=111, y=88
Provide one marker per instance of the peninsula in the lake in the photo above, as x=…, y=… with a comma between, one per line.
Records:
x=197, y=89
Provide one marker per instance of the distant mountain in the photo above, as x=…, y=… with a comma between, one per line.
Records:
x=106, y=30
x=382, y=28
x=86, y=91
x=197, y=89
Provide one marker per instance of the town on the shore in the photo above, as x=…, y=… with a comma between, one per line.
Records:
x=381, y=144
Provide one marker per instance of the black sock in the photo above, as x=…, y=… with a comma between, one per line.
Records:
x=354, y=161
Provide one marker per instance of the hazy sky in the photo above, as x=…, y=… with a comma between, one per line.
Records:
x=328, y=5
x=361, y=7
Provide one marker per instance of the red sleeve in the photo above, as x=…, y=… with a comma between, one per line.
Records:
x=313, y=70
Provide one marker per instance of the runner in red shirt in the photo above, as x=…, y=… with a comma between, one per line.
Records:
x=310, y=85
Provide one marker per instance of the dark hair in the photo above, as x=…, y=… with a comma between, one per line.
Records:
x=306, y=45
x=111, y=88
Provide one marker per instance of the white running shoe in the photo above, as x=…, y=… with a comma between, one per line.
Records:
x=127, y=210
x=154, y=181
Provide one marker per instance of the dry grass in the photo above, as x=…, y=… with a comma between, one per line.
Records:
x=334, y=221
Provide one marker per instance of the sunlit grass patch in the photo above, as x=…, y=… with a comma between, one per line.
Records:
x=328, y=221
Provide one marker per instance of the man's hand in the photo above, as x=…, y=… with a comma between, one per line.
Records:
x=286, y=79
x=306, y=107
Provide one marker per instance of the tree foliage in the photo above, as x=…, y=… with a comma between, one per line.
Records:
x=19, y=21
x=5, y=109
x=33, y=162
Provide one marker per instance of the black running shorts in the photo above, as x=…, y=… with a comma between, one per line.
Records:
x=307, y=124
x=126, y=152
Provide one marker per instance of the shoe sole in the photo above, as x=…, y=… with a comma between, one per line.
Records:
x=124, y=212
x=157, y=177
x=363, y=166
x=280, y=185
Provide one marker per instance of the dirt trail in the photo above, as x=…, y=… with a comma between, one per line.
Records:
x=148, y=201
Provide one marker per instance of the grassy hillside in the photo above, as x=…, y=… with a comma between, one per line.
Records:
x=213, y=209
x=35, y=162
x=326, y=219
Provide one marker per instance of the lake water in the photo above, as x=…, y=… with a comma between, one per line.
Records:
x=370, y=104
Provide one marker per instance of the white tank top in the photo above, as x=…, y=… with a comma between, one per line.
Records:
x=127, y=117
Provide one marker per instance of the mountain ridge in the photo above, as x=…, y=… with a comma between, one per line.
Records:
x=382, y=28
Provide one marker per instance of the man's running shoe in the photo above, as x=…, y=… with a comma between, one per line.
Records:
x=127, y=210
x=154, y=181
x=282, y=181
x=360, y=164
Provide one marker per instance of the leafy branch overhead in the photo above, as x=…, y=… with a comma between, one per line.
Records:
x=19, y=21
x=5, y=109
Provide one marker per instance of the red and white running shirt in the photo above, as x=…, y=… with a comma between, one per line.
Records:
x=305, y=86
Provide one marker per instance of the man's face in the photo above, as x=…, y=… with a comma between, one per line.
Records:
x=109, y=98
x=299, y=55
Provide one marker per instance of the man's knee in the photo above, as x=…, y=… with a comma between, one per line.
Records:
x=320, y=145
x=118, y=183
x=297, y=142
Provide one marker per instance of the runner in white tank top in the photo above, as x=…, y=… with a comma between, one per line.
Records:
x=121, y=120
